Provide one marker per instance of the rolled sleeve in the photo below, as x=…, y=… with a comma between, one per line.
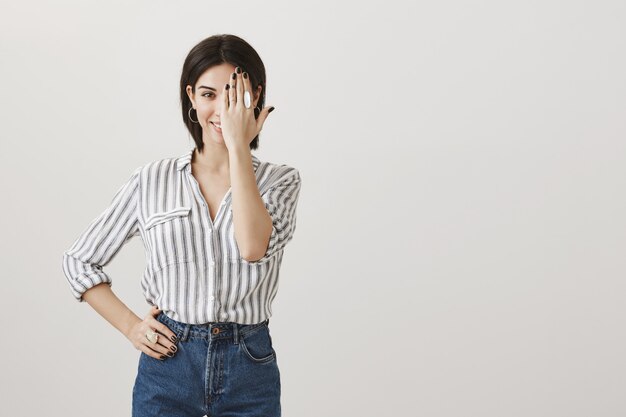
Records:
x=281, y=201
x=102, y=240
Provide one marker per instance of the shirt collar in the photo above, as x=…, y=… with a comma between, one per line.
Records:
x=183, y=160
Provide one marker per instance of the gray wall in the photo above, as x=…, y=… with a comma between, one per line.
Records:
x=461, y=231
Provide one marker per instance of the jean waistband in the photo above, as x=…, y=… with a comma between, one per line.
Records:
x=213, y=330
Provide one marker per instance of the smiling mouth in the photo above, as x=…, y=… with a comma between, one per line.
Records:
x=217, y=127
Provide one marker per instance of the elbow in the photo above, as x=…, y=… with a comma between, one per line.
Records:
x=254, y=256
x=257, y=250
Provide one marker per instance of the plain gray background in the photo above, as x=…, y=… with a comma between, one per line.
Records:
x=461, y=234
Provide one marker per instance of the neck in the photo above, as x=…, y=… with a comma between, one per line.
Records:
x=214, y=158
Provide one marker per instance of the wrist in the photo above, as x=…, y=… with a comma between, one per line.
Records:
x=239, y=151
x=129, y=323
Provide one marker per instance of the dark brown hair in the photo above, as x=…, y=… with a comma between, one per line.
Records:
x=212, y=51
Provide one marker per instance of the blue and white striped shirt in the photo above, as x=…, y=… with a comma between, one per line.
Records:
x=194, y=271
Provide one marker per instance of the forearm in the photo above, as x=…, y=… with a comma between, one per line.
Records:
x=252, y=222
x=102, y=299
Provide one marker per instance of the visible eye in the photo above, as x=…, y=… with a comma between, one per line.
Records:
x=204, y=95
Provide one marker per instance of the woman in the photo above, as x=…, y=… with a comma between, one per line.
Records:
x=214, y=222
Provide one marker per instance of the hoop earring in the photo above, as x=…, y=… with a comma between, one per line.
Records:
x=189, y=114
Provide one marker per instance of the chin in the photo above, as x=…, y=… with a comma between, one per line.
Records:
x=217, y=139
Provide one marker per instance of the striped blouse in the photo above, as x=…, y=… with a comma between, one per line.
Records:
x=194, y=271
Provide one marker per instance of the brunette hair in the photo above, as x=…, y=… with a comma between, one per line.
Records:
x=212, y=51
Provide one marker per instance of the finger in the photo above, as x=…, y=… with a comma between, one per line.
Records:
x=162, y=345
x=232, y=91
x=164, y=330
x=247, y=88
x=154, y=351
x=225, y=96
x=262, y=116
x=239, y=85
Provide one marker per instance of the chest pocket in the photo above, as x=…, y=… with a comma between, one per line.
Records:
x=167, y=233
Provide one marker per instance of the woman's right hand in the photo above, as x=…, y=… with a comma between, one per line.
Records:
x=164, y=345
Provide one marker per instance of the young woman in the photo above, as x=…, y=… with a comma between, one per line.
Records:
x=214, y=222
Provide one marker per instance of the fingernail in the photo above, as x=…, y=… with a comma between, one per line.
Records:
x=170, y=354
x=245, y=75
x=173, y=339
x=163, y=356
x=238, y=70
x=234, y=76
x=270, y=109
x=173, y=348
x=227, y=86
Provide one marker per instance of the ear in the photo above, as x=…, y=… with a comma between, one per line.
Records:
x=257, y=94
x=191, y=95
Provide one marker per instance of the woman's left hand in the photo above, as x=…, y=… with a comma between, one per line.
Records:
x=239, y=126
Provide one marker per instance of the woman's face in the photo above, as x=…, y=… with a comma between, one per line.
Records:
x=208, y=99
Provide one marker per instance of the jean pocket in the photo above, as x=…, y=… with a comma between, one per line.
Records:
x=257, y=345
x=177, y=330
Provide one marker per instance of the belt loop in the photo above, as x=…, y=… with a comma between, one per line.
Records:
x=235, y=333
x=185, y=334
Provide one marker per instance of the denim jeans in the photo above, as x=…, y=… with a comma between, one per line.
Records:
x=219, y=369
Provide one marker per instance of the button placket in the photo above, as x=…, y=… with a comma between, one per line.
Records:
x=209, y=227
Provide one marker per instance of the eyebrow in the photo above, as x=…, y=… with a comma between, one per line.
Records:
x=208, y=88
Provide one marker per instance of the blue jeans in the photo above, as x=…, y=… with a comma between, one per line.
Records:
x=219, y=369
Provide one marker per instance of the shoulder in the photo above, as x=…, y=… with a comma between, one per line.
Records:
x=277, y=172
x=158, y=166
x=162, y=163
x=275, y=177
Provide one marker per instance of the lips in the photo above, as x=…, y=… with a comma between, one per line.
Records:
x=217, y=127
